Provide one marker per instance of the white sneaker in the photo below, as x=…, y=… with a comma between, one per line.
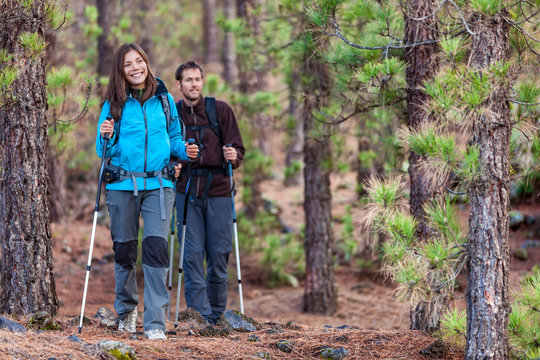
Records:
x=155, y=334
x=129, y=323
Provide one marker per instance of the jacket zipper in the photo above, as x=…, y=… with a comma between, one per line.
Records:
x=200, y=160
x=145, y=142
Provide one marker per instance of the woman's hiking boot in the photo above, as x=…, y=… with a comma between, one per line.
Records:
x=155, y=334
x=129, y=323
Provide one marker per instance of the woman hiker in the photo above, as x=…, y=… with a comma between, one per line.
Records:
x=140, y=118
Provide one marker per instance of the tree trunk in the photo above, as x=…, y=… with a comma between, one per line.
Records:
x=296, y=133
x=319, y=294
x=145, y=28
x=422, y=66
x=56, y=165
x=251, y=80
x=105, y=49
x=210, y=33
x=364, y=171
x=230, y=73
x=488, y=254
x=27, y=283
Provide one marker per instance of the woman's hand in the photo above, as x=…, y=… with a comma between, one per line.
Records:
x=192, y=150
x=107, y=127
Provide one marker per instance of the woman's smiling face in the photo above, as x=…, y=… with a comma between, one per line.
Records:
x=135, y=69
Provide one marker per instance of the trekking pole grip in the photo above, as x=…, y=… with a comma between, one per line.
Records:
x=229, y=163
x=191, y=141
x=106, y=138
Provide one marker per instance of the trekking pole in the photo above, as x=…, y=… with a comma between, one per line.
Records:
x=183, y=238
x=235, y=232
x=96, y=212
x=173, y=225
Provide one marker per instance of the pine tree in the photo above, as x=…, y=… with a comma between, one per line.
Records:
x=27, y=279
x=487, y=247
x=319, y=293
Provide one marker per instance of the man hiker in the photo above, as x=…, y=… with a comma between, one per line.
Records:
x=209, y=233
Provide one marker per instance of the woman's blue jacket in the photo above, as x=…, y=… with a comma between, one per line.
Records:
x=143, y=145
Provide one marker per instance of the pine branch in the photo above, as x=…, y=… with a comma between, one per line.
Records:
x=55, y=119
x=341, y=119
x=523, y=103
x=387, y=47
x=464, y=22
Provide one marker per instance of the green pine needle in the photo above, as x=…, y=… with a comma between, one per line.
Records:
x=60, y=78
x=33, y=43
x=401, y=227
x=528, y=91
x=488, y=7
x=454, y=326
x=394, y=251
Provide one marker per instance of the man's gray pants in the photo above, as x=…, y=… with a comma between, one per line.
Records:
x=208, y=235
x=124, y=209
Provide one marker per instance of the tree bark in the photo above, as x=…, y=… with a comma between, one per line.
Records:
x=296, y=134
x=487, y=247
x=319, y=293
x=145, y=7
x=363, y=171
x=230, y=73
x=251, y=80
x=56, y=165
x=26, y=272
x=105, y=49
x=422, y=66
x=210, y=33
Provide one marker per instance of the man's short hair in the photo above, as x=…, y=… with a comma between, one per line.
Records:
x=187, y=65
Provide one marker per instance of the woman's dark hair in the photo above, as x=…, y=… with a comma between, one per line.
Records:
x=118, y=85
x=187, y=65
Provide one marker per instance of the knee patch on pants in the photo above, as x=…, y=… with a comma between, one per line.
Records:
x=155, y=252
x=125, y=253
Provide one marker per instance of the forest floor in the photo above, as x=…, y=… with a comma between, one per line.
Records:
x=376, y=324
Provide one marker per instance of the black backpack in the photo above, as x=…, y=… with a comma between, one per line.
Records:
x=211, y=113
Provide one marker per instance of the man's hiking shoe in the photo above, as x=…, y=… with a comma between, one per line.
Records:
x=155, y=334
x=129, y=323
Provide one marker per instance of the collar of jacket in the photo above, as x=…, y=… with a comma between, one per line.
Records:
x=161, y=88
x=197, y=108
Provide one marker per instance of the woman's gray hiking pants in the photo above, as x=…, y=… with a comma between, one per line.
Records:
x=208, y=236
x=125, y=209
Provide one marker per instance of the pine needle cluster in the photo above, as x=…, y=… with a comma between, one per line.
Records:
x=524, y=321
x=424, y=271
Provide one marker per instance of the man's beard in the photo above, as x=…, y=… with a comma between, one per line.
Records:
x=192, y=98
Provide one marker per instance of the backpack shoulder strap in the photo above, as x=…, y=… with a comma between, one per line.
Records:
x=210, y=109
x=182, y=124
x=166, y=109
x=179, y=108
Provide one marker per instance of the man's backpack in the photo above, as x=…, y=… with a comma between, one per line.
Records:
x=211, y=113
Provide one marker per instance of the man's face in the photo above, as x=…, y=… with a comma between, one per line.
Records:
x=191, y=84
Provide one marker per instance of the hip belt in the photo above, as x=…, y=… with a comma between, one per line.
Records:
x=114, y=174
x=205, y=172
